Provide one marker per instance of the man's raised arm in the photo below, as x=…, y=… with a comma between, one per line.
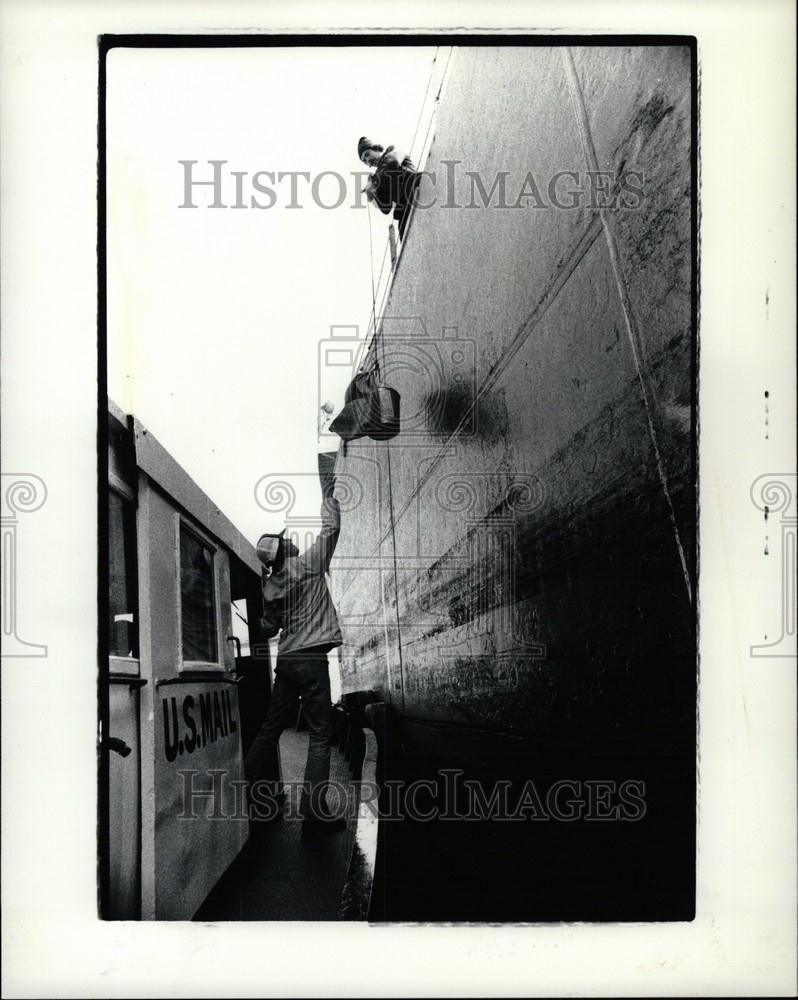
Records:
x=317, y=558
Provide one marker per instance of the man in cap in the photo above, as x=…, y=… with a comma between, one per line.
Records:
x=394, y=181
x=297, y=603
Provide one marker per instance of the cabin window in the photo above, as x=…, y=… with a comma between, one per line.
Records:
x=123, y=618
x=197, y=599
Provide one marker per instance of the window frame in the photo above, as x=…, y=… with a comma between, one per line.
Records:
x=198, y=666
x=128, y=665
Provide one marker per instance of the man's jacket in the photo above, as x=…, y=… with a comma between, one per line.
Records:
x=394, y=183
x=297, y=597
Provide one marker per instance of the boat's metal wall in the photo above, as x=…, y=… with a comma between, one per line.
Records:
x=531, y=529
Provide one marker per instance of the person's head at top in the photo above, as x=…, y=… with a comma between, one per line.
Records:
x=273, y=550
x=369, y=152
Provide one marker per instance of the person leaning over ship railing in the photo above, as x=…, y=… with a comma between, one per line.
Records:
x=393, y=183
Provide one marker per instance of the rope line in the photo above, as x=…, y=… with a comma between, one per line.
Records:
x=445, y=71
x=391, y=515
x=423, y=101
x=437, y=99
x=372, y=326
x=375, y=346
x=371, y=271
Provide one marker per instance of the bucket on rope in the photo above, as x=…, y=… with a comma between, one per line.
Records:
x=371, y=409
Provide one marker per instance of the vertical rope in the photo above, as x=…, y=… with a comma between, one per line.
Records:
x=435, y=104
x=423, y=102
x=371, y=272
x=390, y=494
x=376, y=455
x=377, y=367
x=395, y=567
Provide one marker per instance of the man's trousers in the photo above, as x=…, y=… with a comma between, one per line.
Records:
x=302, y=674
